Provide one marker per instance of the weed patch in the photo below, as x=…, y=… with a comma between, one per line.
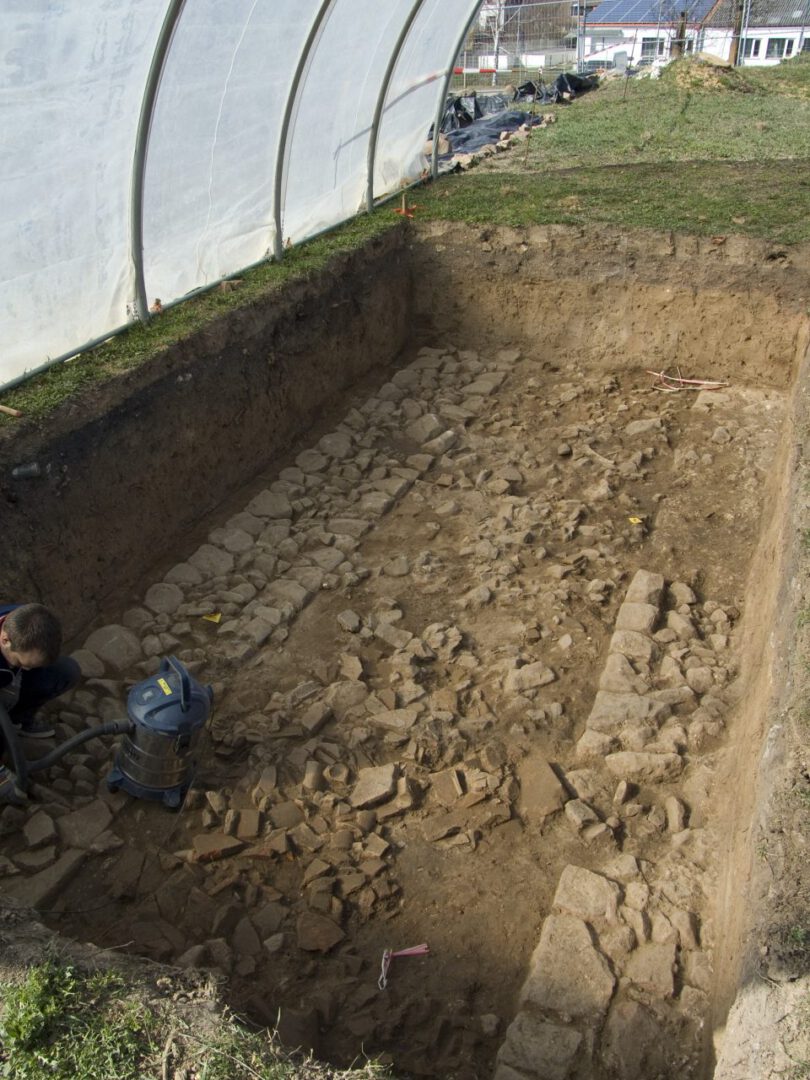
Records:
x=61, y=1024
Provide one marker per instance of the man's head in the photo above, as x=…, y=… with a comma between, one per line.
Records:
x=30, y=636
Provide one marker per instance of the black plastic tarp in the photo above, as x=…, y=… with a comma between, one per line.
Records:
x=564, y=88
x=487, y=130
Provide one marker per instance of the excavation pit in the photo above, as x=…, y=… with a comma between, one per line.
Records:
x=490, y=628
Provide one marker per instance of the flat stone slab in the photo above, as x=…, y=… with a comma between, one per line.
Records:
x=652, y=967
x=611, y=712
x=395, y=719
x=374, y=786
x=619, y=677
x=39, y=830
x=632, y=644
x=270, y=504
x=645, y=588
x=528, y=677
x=639, y=617
x=116, y=646
x=209, y=847
x=644, y=767
x=163, y=598
x=587, y=895
x=541, y=792
x=317, y=933
x=81, y=828
x=568, y=974
x=39, y=890
x=212, y=561
x=536, y=1047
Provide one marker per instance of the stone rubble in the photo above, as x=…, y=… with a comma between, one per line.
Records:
x=414, y=727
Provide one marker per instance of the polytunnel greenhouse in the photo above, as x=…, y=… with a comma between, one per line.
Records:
x=182, y=142
x=404, y=628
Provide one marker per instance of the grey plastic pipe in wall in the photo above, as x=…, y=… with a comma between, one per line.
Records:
x=292, y=97
x=383, y=94
x=437, y=123
x=173, y=13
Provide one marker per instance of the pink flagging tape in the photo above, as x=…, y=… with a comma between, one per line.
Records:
x=670, y=384
x=388, y=956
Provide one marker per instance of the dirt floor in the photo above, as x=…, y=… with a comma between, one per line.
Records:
x=406, y=629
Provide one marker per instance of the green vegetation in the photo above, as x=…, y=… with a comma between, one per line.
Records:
x=702, y=149
x=60, y=1023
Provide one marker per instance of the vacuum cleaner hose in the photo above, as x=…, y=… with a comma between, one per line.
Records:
x=112, y=727
x=22, y=768
x=9, y=734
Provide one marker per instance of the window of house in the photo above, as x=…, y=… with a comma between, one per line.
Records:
x=789, y=47
x=751, y=47
x=806, y=45
x=776, y=48
x=648, y=47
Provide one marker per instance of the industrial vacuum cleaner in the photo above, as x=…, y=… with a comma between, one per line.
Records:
x=155, y=758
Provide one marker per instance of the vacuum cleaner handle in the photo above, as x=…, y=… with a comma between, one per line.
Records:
x=181, y=673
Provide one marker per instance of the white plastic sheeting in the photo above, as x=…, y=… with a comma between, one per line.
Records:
x=73, y=79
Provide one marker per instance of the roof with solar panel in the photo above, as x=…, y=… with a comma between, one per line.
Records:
x=652, y=12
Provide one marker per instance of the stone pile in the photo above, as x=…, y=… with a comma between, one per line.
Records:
x=441, y=707
x=623, y=962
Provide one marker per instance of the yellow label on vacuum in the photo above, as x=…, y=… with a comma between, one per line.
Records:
x=164, y=686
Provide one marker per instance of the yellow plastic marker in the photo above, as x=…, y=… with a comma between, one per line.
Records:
x=215, y=618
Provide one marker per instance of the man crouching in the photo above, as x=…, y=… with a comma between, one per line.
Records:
x=31, y=672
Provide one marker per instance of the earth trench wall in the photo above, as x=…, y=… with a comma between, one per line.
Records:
x=128, y=471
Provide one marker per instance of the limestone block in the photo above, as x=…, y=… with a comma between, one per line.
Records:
x=336, y=445
x=528, y=677
x=652, y=967
x=620, y=677
x=374, y=785
x=80, y=828
x=270, y=504
x=633, y=645
x=643, y=767
x=568, y=974
x=594, y=746
x=587, y=895
x=212, y=561
x=115, y=646
x=183, y=574
x=317, y=933
x=632, y=1043
x=638, y=617
x=537, y=1048
x=611, y=712
x=645, y=588
x=541, y=792
x=91, y=666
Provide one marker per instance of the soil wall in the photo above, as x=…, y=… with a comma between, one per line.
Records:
x=127, y=470
x=726, y=307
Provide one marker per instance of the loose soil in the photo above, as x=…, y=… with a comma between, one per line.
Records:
x=513, y=547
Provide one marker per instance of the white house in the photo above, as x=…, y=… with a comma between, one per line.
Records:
x=620, y=32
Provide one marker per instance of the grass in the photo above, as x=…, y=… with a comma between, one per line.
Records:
x=61, y=1023
x=699, y=150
